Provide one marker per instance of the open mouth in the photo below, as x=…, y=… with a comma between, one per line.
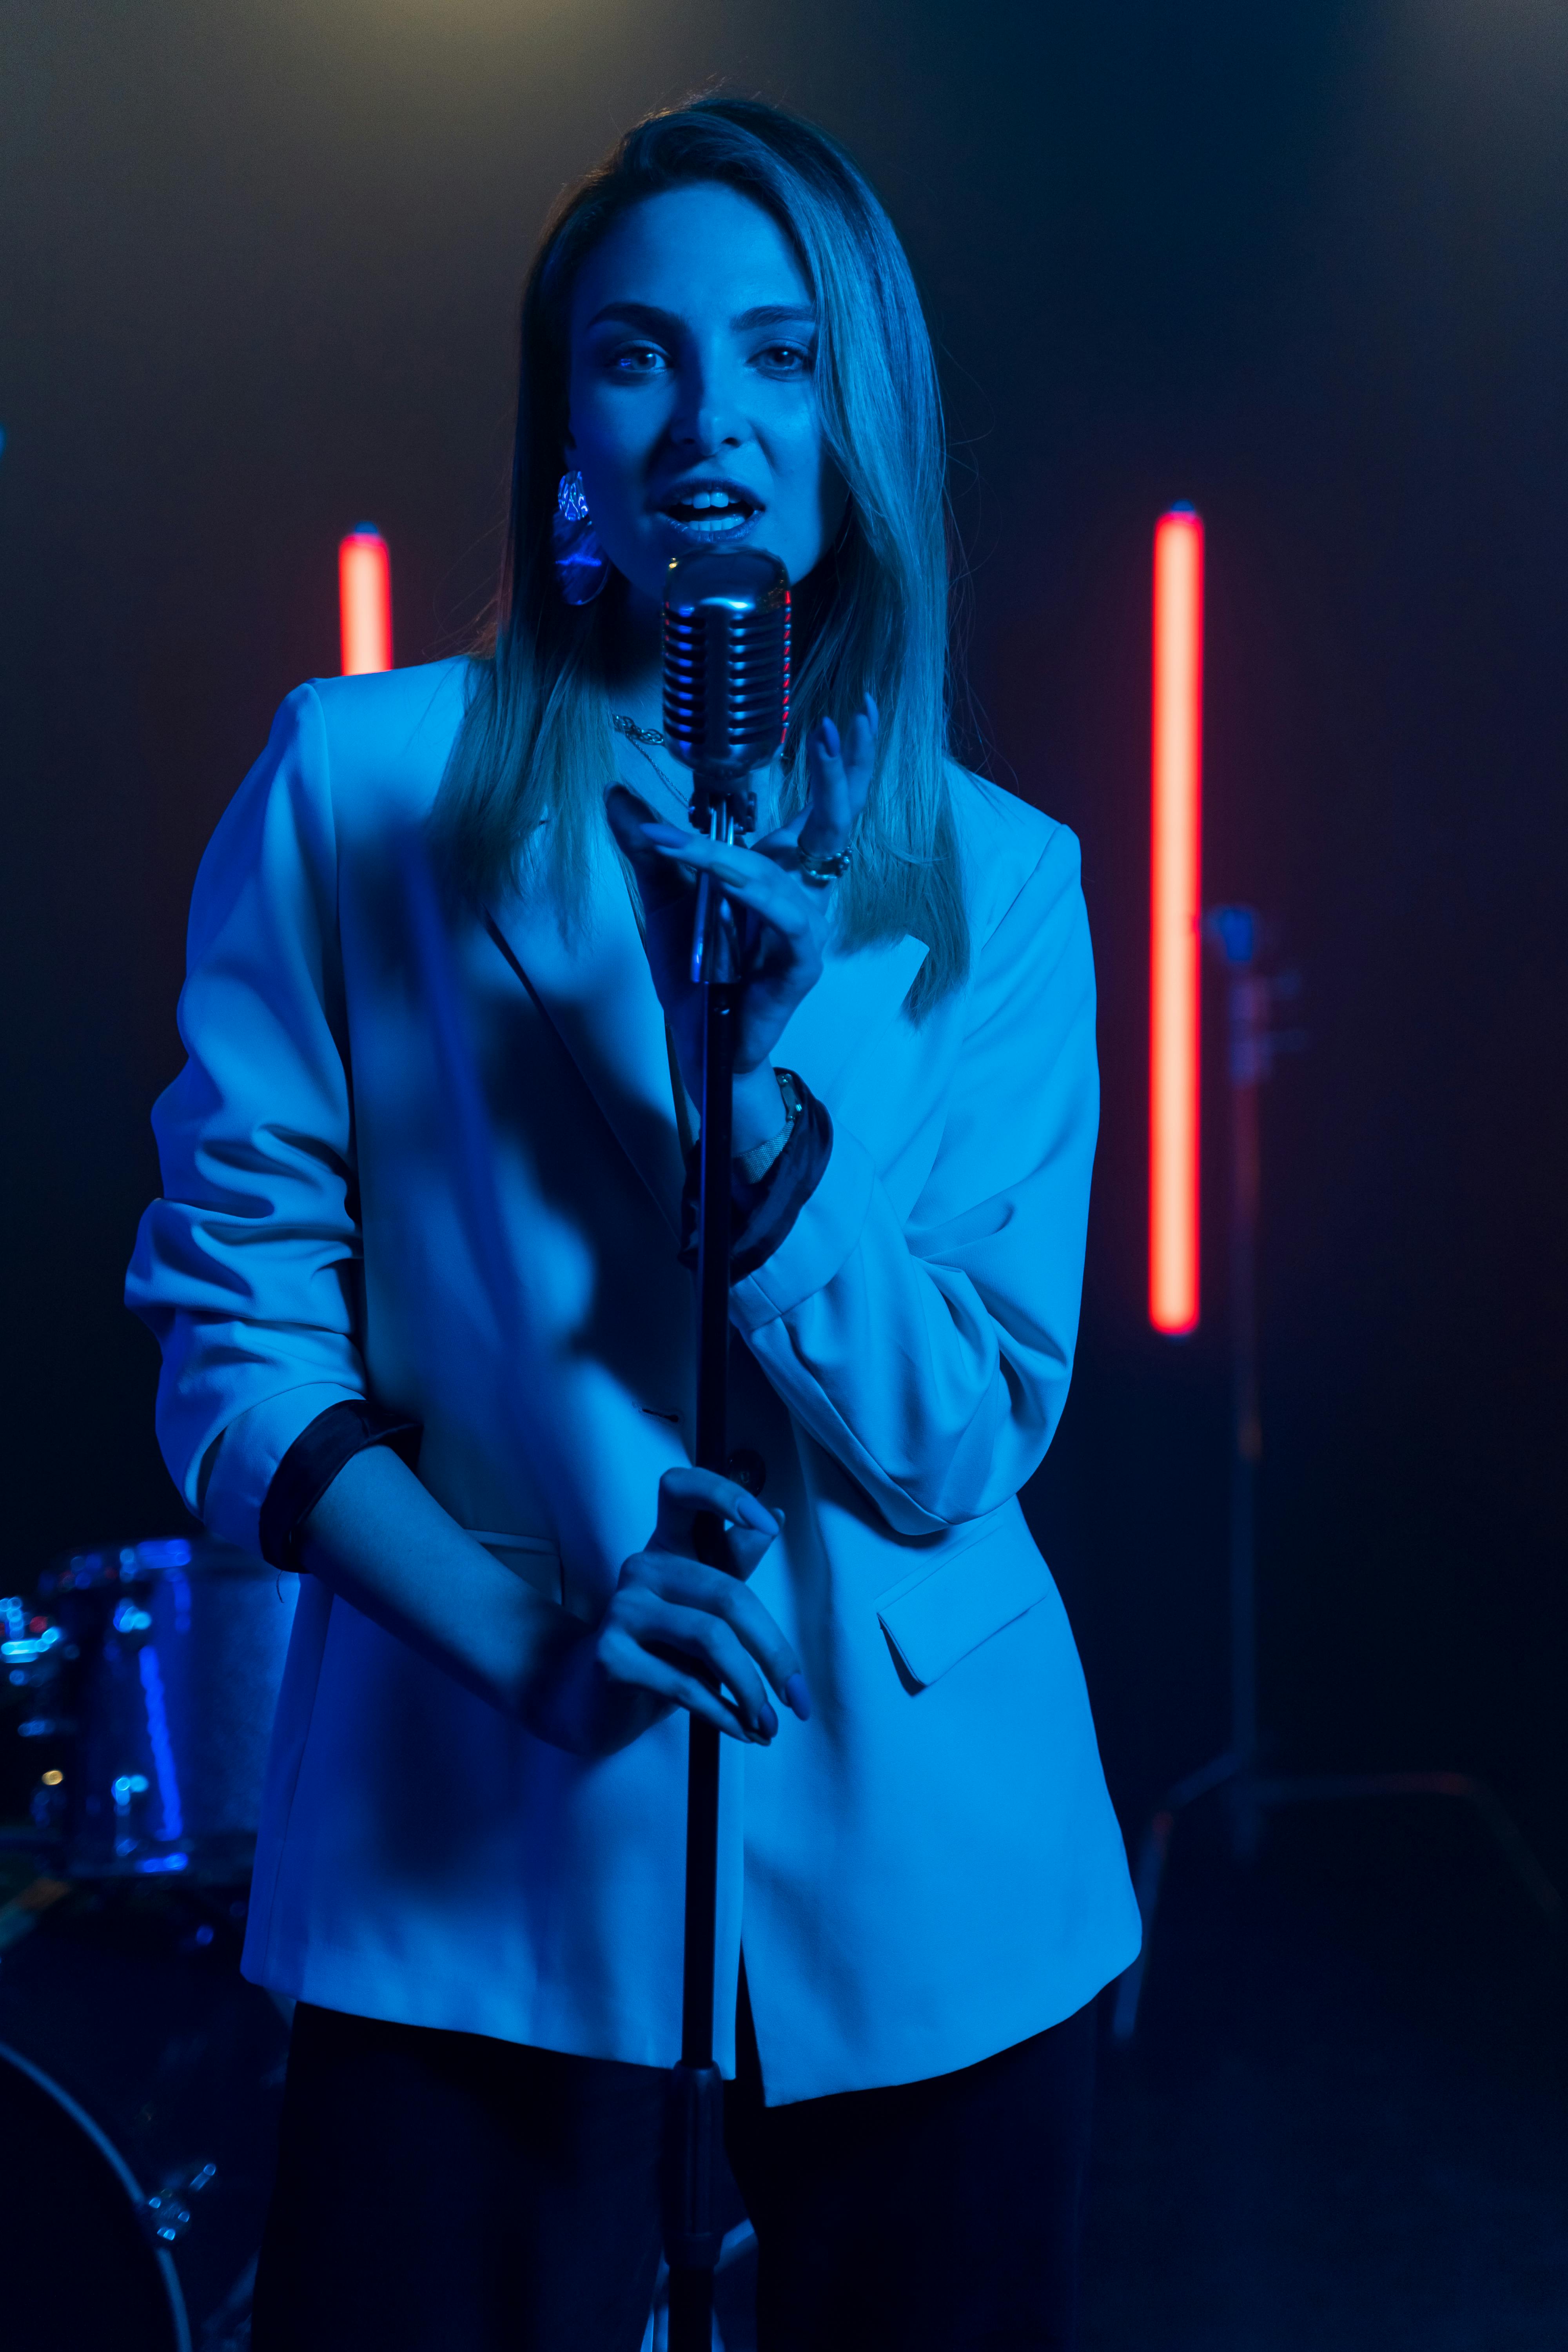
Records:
x=711, y=513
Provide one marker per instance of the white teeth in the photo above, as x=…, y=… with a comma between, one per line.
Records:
x=709, y=514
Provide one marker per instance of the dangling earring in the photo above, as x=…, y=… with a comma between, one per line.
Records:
x=580, y=564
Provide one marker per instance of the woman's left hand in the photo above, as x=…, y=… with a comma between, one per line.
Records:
x=782, y=921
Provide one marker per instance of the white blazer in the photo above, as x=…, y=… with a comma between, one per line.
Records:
x=391, y=1169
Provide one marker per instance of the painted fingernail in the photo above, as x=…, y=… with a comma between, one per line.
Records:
x=797, y=1698
x=767, y=1721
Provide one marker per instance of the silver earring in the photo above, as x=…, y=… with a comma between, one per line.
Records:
x=580, y=564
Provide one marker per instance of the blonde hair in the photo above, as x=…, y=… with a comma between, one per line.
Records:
x=536, y=742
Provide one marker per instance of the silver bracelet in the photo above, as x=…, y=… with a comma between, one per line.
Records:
x=819, y=868
x=752, y=1165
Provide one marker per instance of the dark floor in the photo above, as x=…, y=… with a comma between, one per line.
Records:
x=1343, y=2121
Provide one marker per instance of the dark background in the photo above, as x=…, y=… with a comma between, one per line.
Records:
x=1302, y=264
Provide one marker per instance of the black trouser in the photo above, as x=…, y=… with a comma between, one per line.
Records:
x=442, y=2192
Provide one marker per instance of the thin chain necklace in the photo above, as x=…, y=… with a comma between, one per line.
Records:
x=641, y=739
x=634, y=733
x=648, y=739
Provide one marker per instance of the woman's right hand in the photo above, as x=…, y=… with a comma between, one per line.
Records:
x=676, y=1634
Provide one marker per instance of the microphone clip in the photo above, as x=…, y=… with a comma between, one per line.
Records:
x=736, y=802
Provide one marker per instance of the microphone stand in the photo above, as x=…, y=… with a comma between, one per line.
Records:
x=694, y=2122
x=726, y=705
x=1234, y=934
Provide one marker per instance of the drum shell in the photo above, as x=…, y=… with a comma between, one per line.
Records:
x=177, y=1678
x=125, y=2000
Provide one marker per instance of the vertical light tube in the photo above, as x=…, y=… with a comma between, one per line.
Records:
x=364, y=600
x=1174, y=920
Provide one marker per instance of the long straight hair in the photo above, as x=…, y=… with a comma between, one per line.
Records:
x=522, y=802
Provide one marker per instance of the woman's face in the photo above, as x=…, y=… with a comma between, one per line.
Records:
x=694, y=416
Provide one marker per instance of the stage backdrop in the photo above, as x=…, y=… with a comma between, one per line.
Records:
x=1300, y=264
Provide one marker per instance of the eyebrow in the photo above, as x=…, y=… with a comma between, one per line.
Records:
x=647, y=314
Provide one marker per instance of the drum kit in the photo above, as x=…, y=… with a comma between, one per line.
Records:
x=140, y=2076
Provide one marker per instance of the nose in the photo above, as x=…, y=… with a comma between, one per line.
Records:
x=709, y=417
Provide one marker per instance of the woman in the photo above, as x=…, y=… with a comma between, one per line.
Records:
x=428, y=1335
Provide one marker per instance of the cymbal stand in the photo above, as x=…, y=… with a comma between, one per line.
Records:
x=1234, y=932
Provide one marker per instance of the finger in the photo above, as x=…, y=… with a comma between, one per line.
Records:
x=683, y=1493
x=828, y=816
x=745, y=1550
x=627, y=814
x=674, y=1580
x=860, y=755
x=779, y=845
x=628, y=1662
x=840, y=769
x=731, y=861
x=740, y=1552
x=689, y=1637
x=745, y=877
x=660, y=881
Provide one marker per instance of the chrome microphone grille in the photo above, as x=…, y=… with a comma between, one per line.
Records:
x=726, y=660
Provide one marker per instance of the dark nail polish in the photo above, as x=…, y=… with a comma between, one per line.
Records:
x=768, y=1721
x=797, y=1697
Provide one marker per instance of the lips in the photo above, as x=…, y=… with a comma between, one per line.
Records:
x=703, y=511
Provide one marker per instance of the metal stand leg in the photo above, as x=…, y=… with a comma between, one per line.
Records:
x=694, y=2126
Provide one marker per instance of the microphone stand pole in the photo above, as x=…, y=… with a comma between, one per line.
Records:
x=694, y=2131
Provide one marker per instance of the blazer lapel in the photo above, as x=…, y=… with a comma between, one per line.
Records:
x=598, y=993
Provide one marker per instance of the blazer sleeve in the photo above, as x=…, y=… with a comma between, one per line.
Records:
x=932, y=1356
x=247, y=1270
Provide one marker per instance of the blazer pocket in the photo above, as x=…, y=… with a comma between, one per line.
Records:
x=945, y=1609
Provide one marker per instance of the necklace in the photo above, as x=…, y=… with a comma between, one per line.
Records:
x=648, y=739
x=641, y=738
x=634, y=733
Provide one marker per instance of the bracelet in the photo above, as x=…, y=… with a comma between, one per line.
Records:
x=819, y=868
x=752, y=1165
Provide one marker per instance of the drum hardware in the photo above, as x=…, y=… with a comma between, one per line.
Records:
x=144, y=1679
x=35, y=1651
x=140, y=2076
x=168, y=2211
x=140, y=2080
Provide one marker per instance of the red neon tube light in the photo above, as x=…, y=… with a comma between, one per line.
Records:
x=364, y=601
x=1174, y=926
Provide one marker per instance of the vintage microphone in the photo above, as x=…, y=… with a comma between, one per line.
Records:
x=726, y=705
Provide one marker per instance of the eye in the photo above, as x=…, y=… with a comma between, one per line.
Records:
x=636, y=359
x=785, y=359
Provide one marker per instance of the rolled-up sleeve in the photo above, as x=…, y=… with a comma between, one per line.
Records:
x=930, y=1355
x=247, y=1269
